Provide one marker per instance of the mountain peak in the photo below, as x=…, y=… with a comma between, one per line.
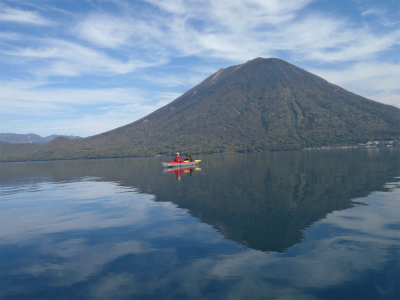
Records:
x=271, y=60
x=263, y=59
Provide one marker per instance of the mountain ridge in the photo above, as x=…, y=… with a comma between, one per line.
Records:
x=14, y=138
x=261, y=105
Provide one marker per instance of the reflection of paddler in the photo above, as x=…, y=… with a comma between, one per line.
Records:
x=189, y=172
x=178, y=174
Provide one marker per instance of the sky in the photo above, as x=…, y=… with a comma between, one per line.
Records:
x=83, y=67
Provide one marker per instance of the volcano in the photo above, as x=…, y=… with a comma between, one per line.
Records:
x=261, y=105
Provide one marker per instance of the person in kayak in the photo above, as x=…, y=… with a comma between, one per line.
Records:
x=188, y=158
x=177, y=158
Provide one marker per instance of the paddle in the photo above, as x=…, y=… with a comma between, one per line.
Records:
x=196, y=160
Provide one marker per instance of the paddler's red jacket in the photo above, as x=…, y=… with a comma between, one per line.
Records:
x=178, y=159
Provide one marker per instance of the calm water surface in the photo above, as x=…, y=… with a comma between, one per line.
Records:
x=287, y=225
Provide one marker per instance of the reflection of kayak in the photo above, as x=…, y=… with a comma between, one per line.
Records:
x=173, y=170
x=183, y=164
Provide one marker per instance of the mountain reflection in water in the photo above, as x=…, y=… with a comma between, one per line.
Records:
x=265, y=200
x=245, y=226
x=261, y=200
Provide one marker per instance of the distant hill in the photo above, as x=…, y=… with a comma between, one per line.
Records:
x=262, y=105
x=12, y=151
x=14, y=138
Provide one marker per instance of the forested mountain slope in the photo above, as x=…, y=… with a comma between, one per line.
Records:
x=264, y=104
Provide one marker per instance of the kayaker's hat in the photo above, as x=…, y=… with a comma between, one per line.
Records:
x=177, y=153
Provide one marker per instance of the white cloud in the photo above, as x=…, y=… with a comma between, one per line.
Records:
x=221, y=29
x=54, y=57
x=206, y=29
x=376, y=81
x=166, y=80
x=363, y=45
x=10, y=36
x=381, y=14
x=105, y=30
x=386, y=97
x=64, y=58
x=82, y=112
x=372, y=11
x=244, y=15
x=29, y=93
x=22, y=16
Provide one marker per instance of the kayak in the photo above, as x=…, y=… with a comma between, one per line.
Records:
x=173, y=170
x=183, y=164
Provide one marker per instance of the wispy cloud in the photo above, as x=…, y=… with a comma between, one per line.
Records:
x=221, y=29
x=376, y=81
x=81, y=112
x=363, y=46
x=105, y=30
x=64, y=58
x=381, y=13
x=23, y=16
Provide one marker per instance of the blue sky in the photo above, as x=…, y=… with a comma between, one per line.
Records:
x=79, y=67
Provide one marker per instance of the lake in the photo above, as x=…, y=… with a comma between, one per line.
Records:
x=279, y=225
